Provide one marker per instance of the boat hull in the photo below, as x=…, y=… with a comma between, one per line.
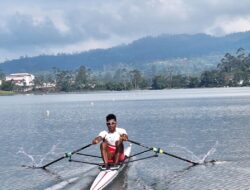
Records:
x=105, y=177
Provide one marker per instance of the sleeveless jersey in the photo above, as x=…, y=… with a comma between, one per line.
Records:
x=111, y=138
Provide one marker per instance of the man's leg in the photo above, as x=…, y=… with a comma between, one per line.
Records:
x=106, y=154
x=119, y=152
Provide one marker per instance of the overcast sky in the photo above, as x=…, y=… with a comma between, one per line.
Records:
x=33, y=27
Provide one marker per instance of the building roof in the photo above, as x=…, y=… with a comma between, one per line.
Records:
x=20, y=74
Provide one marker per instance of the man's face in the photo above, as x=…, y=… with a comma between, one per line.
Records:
x=111, y=124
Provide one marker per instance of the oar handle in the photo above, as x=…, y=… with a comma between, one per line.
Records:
x=134, y=142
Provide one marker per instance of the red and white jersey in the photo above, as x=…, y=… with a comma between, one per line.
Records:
x=111, y=138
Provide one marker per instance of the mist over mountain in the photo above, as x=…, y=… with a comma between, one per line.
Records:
x=138, y=53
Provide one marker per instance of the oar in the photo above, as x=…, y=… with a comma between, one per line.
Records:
x=158, y=150
x=65, y=156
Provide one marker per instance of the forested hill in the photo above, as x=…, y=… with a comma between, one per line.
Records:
x=139, y=52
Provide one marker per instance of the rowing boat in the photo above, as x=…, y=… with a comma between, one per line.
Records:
x=106, y=176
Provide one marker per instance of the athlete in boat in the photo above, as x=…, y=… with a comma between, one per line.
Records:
x=112, y=148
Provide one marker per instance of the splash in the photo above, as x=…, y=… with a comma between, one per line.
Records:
x=21, y=151
x=198, y=158
x=193, y=156
x=51, y=152
x=210, y=152
x=37, y=162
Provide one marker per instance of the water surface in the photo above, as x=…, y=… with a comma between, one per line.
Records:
x=186, y=122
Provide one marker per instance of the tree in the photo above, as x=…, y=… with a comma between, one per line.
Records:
x=2, y=75
x=179, y=81
x=39, y=80
x=114, y=86
x=7, y=86
x=123, y=76
x=234, y=70
x=209, y=79
x=169, y=70
x=64, y=80
x=81, y=78
x=159, y=82
x=193, y=82
x=137, y=80
x=240, y=53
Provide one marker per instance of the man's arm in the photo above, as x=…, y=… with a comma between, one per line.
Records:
x=100, y=137
x=123, y=137
x=97, y=140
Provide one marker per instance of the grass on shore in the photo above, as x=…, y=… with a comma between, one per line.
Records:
x=6, y=92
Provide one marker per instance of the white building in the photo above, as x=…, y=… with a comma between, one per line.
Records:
x=21, y=79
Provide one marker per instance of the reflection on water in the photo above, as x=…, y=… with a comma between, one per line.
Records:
x=199, y=125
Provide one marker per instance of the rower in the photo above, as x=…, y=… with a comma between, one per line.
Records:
x=112, y=148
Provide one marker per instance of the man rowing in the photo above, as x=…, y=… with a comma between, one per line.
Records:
x=112, y=148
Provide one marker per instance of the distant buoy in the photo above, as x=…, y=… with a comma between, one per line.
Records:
x=47, y=113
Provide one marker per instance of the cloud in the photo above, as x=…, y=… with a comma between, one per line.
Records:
x=31, y=27
x=227, y=25
x=23, y=30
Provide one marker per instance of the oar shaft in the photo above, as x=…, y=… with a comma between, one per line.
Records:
x=82, y=154
x=81, y=149
x=195, y=163
x=139, y=144
x=65, y=156
x=84, y=162
x=53, y=162
x=139, y=153
x=163, y=152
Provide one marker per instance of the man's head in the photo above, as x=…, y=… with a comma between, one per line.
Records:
x=111, y=122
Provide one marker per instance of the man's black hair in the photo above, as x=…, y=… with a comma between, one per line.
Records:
x=110, y=116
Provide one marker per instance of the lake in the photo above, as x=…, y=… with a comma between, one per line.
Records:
x=195, y=124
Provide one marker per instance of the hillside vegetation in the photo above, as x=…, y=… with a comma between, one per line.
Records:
x=140, y=54
x=233, y=70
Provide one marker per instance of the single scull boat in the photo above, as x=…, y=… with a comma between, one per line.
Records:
x=106, y=176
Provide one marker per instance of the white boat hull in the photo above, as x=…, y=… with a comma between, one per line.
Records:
x=105, y=177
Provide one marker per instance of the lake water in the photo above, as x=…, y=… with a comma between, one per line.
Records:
x=190, y=123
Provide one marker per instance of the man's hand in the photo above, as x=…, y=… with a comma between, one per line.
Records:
x=124, y=137
x=96, y=140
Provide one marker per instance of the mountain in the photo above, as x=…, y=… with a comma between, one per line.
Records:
x=137, y=53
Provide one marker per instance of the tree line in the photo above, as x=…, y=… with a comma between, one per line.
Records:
x=232, y=71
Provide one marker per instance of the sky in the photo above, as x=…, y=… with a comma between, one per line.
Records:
x=35, y=27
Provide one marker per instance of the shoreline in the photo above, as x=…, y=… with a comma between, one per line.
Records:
x=8, y=93
x=165, y=94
